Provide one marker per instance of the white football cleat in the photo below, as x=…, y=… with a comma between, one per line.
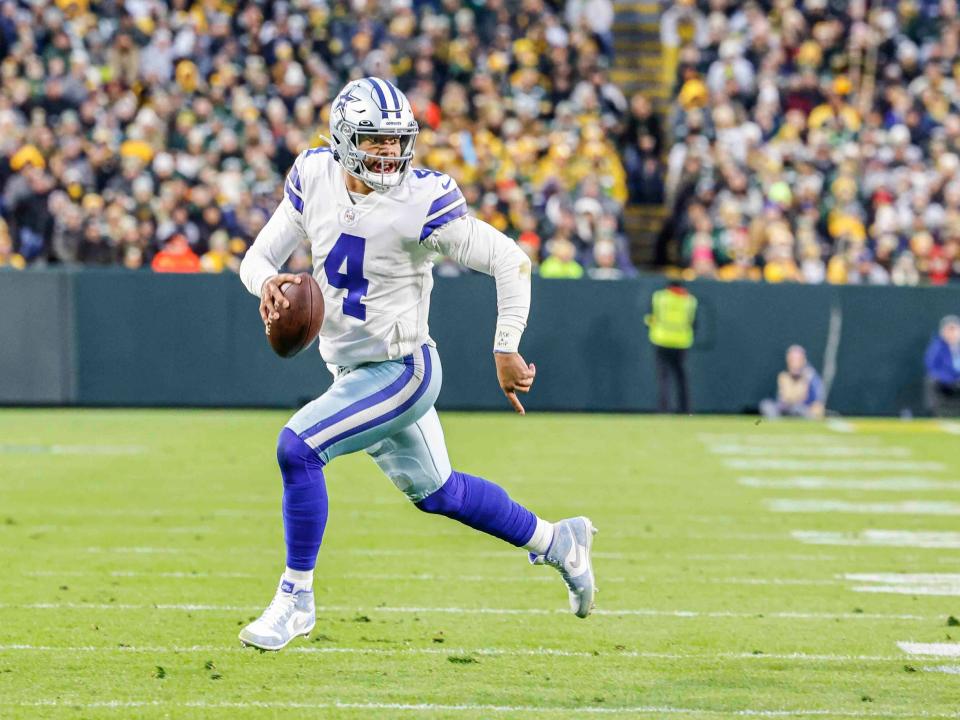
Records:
x=288, y=616
x=569, y=553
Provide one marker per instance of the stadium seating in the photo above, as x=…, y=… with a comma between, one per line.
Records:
x=814, y=142
x=129, y=126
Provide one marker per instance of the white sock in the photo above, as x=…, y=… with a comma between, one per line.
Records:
x=542, y=537
x=299, y=579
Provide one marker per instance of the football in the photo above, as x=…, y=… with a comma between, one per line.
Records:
x=299, y=324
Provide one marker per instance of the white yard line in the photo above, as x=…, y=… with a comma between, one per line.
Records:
x=420, y=708
x=950, y=427
x=947, y=669
x=140, y=550
x=403, y=610
x=431, y=577
x=759, y=581
x=752, y=557
x=791, y=439
x=372, y=552
x=881, y=538
x=825, y=505
x=935, y=584
x=494, y=554
x=840, y=426
x=833, y=465
x=932, y=590
x=930, y=649
x=43, y=449
x=905, y=578
x=830, y=451
x=483, y=652
x=136, y=573
x=823, y=482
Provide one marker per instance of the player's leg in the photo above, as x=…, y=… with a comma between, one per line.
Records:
x=683, y=386
x=663, y=380
x=359, y=409
x=416, y=460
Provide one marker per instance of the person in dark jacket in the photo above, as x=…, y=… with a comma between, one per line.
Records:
x=95, y=248
x=942, y=361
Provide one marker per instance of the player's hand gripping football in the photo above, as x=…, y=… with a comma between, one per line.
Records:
x=515, y=376
x=272, y=299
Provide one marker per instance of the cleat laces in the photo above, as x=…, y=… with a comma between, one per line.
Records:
x=279, y=609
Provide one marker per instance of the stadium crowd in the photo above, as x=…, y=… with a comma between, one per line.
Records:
x=815, y=141
x=156, y=134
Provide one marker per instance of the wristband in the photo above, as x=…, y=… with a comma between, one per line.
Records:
x=507, y=339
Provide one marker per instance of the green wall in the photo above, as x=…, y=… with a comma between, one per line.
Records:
x=116, y=338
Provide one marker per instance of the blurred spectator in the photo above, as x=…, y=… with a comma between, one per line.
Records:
x=942, y=361
x=8, y=258
x=606, y=263
x=123, y=125
x=596, y=16
x=94, y=247
x=133, y=258
x=830, y=134
x=561, y=263
x=176, y=257
x=641, y=144
x=219, y=258
x=799, y=389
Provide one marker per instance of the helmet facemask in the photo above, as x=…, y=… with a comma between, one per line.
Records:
x=381, y=172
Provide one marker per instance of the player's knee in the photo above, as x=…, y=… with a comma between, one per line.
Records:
x=293, y=454
x=447, y=500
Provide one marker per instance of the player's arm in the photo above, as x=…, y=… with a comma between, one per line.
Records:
x=479, y=246
x=273, y=246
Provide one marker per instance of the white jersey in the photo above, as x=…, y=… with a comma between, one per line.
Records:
x=373, y=258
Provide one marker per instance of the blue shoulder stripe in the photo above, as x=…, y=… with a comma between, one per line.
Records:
x=296, y=201
x=445, y=200
x=438, y=222
x=295, y=179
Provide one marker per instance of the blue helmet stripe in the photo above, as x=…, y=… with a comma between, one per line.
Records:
x=383, y=98
x=396, y=99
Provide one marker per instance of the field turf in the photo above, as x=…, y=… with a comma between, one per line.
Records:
x=746, y=569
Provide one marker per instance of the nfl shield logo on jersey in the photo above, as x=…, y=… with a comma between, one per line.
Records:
x=349, y=216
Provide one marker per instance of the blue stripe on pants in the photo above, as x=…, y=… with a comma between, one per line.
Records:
x=389, y=414
x=370, y=403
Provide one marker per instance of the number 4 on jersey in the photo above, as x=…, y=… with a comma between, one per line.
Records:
x=347, y=254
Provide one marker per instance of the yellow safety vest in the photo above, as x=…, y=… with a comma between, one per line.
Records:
x=672, y=323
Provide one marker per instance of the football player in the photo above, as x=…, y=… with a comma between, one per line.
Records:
x=374, y=225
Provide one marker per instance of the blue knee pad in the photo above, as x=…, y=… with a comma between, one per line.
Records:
x=294, y=456
x=304, y=499
x=482, y=505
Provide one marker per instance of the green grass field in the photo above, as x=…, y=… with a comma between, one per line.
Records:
x=745, y=569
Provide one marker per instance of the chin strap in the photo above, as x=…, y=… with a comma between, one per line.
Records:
x=331, y=145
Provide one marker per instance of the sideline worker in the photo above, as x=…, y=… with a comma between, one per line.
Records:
x=671, y=332
x=942, y=361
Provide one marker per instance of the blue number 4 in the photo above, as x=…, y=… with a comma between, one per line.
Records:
x=348, y=250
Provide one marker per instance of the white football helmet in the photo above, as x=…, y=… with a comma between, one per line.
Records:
x=371, y=106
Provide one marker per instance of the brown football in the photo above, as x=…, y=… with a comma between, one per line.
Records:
x=299, y=324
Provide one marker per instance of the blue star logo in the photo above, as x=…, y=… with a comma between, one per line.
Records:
x=344, y=99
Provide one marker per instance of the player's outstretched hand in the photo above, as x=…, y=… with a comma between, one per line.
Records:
x=515, y=376
x=271, y=296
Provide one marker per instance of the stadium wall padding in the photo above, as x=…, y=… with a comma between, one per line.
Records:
x=116, y=338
